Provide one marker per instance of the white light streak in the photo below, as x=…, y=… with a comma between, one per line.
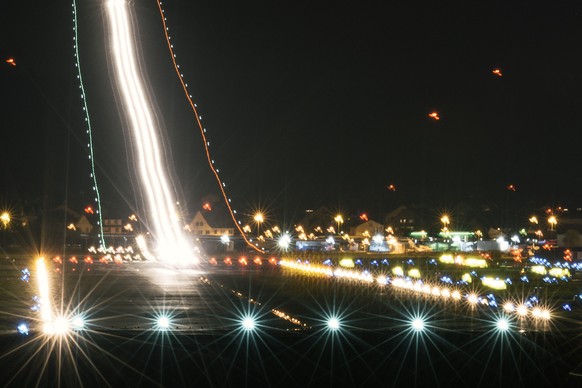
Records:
x=172, y=246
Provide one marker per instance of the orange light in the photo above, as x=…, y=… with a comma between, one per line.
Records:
x=207, y=206
x=434, y=115
x=364, y=217
x=497, y=72
x=511, y=187
x=11, y=61
x=89, y=210
x=391, y=187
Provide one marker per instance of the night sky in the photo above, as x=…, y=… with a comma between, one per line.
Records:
x=307, y=103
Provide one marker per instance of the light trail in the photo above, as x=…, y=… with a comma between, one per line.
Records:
x=89, y=128
x=171, y=244
x=221, y=184
x=46, y=312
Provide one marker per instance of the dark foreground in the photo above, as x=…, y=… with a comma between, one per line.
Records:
x=206, y=346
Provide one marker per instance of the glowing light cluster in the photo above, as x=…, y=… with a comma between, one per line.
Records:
x=289, y=318
x=306, y=268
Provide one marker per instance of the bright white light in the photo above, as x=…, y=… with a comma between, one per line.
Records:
x=378, y=239
x=509, y=307
x=248, y=323
x=225, y=239
x=163, y=322
x=61, y=325
x=418, y=324
x=502, y=324
x=23, y=328
x=522, y=310
x=333, y=323
x=78, y=323
x=43, y=290
x=284, y=241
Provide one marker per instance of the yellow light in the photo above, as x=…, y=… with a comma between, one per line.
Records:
x=475, y=263
x=447, y=259
x=414, y=273
x=539, y=269
x=496, y=284
x=348, y=263
x=397, y=271
x=559, y=272
x=5, y=218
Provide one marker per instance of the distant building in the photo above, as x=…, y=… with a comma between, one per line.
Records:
x=367, y=229
x=83, y=225
x=210, y=228
x=211, y=223
x=114, y=233
x=402, y=221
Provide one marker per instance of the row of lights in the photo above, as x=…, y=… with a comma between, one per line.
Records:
x=63, y=326
x=418, y=287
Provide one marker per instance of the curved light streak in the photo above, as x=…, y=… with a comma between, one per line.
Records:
x=89, y=128
x=171, y=243
x=221, y=184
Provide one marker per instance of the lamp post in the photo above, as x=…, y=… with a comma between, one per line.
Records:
x=339, y=219
x=552, y=221
x=259, y=219
x=5, y=219
x=446, y=221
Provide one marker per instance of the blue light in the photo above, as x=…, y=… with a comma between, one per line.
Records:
x=23, y=329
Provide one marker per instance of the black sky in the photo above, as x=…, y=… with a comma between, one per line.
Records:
x=308, y=103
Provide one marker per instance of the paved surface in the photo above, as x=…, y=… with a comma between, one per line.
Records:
x=205, y=344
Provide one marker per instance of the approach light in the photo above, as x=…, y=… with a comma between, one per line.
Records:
x=78, y=323
x=163, y=323
x=59, y=326
x=502, y=324
x=333, y=323
x=509, y=307
x=418, y=324
x=248, y=323
x=521, y=310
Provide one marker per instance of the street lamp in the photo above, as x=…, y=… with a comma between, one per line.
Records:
x=339, y=221
x=446, y=221
x=259, y=219
x=5, y=219
x=552, y=221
